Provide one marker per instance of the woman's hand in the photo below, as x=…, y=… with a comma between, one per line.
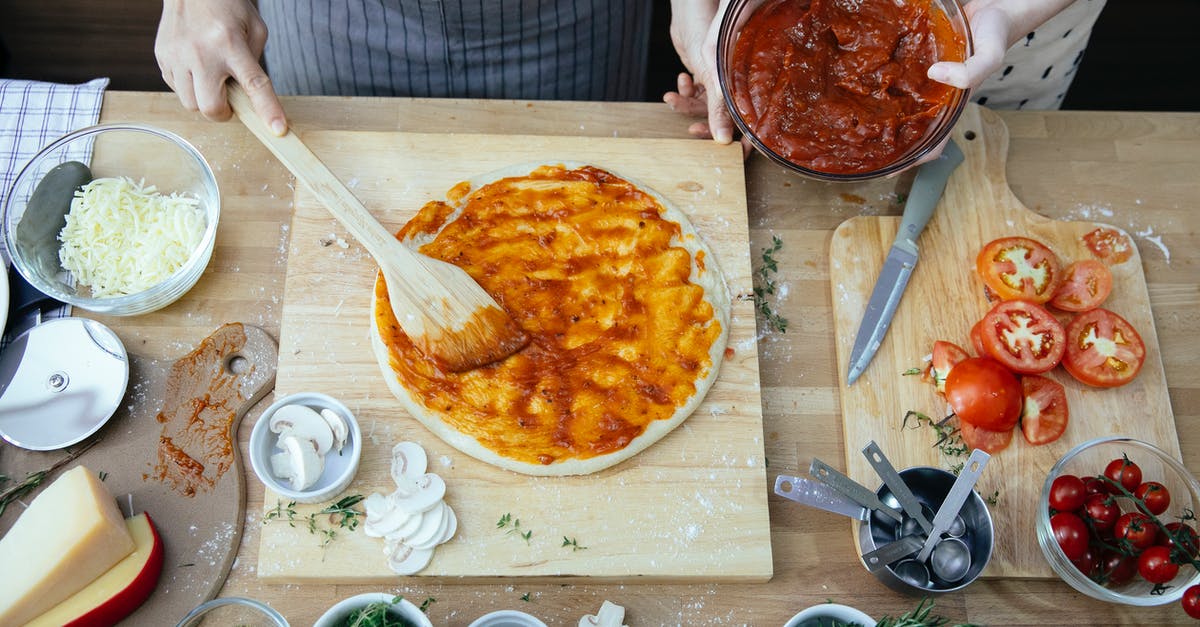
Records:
x=202, y=43
x=694, y=29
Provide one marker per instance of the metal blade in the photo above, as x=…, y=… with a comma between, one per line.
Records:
x=880, y=308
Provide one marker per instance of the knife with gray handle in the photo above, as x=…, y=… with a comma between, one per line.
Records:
x=926, y=190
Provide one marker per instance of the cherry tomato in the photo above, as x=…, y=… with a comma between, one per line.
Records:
x=984, y=393
x=1191, y=601
x=1044, y=412
x=1110, y=245
x=1067, y=493
x=1102, y=511
x=1085, y=285
x=1154, y=565
x=1019, y=267
x=1070, y=533
x=1137, y=529
x=1155, y=496
x=1103, y=349
x=977, y=339
x=986, y=440
x=1115, y=568
x=1095, y=485
x=1023, y=336
x=1124, y=472
x=1087, y=562
x=1189, y=542
x=945, y=356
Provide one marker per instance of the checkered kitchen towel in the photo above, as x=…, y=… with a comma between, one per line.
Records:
x=33, y=114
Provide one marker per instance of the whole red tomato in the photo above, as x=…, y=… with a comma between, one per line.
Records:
x=1188, y=542
x=1124, y=472
x=1067, y=493
x=1191, y=601
x=1071, y=534
x=1155, y=495
x=1154, y=565
x=1137, y=528
x=985, y=394
x=1095, y=485
x=1115, y=568
x=1102, y=510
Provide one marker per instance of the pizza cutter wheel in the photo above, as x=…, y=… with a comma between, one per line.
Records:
x=60, y=381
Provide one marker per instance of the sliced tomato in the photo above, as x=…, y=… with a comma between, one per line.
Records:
x=977, y=339
x=984, y=393
x=1023, y=336
x=990, y=441
x=1044, y=414
x=1085, y=285
x=1103, y=349
x=1109, y=245
x=945, y=355
x=1019, y=267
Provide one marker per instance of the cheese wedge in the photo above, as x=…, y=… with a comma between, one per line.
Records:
x=70, y=535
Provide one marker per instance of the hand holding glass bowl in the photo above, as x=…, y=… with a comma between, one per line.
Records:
x=33, y=217
x=861, y=109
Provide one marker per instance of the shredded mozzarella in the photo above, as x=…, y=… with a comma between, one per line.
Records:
x=123, y=237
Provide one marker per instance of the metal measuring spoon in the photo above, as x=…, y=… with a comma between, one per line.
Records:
x=892, y=552
x=818, y=495
x=950, y=560
x=957, y=529
x=852, y=489
x=914, y=570
x=892, y=479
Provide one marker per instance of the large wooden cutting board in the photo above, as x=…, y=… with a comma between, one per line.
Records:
x=691, y=507
x=943, y=301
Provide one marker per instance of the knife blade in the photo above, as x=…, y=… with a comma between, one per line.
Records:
x=926, y=190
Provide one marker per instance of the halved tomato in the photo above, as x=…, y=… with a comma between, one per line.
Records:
x=1103, y=349
x=977, y=339
x=1022, y=336
x=984, y=393
x=1110, y=245
x=1044, y=414
x=1019, y=267
x=945, y=355
x=1085, y=285
x=990, y=441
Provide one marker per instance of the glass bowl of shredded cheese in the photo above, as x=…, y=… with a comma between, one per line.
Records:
x=118, y=219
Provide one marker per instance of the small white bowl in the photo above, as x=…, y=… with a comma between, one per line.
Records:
x=507, y=618
x=340, y=468
x=340, y=612
x=842, y=614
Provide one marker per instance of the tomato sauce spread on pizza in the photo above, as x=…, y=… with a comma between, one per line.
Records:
x=627, y=316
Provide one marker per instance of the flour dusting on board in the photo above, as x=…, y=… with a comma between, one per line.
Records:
x=1098, y=212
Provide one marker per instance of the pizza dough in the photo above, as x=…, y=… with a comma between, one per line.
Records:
x=626, y=306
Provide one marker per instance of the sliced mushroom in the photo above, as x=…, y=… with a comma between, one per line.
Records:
x=337, y=424
x=610, y=615
x=420, y=495
x=281, y=465
x=384, y=518
x=408, y=460
x=305, y=465
x=304, y=422
x=405, y=560
x=451, y=526
x=433, y=524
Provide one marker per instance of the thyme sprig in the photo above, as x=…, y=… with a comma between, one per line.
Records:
x=766, y=286
x=571, y=542
x=513, y=525
x=35, y=479
x=325, y=522
x=949, y=441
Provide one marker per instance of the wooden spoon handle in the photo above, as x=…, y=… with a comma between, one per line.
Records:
x=310, y=171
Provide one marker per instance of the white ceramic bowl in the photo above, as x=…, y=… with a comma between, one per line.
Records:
x=831, y=614
x=136, y=151
x=340, y=468
x=507, y=618
x=334, y=616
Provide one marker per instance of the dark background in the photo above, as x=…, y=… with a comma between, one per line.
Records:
x=1143, y=55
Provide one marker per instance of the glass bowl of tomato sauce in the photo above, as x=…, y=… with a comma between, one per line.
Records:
x=1106, y=547
x=837, y=89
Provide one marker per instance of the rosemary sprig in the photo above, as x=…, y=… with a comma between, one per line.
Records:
x=35, y=479
x=766, y=286
x=920, y=617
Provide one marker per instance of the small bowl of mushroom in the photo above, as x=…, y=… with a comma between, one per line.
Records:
x=306, y=447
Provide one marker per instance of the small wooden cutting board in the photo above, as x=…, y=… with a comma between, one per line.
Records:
x=943, y=300
x=195, y=403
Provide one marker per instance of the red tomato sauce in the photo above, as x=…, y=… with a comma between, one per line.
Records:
x=839, y=86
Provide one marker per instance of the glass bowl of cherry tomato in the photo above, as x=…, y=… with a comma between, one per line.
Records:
x=1116, y=521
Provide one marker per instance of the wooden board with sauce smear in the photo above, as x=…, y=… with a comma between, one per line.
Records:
x=692, y=507
x=942, y=302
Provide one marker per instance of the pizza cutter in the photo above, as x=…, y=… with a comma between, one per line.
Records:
x=60, y=381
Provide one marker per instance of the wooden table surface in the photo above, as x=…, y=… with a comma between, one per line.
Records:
x=1138, y=171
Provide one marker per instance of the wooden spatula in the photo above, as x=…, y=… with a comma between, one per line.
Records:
x=445, y=313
